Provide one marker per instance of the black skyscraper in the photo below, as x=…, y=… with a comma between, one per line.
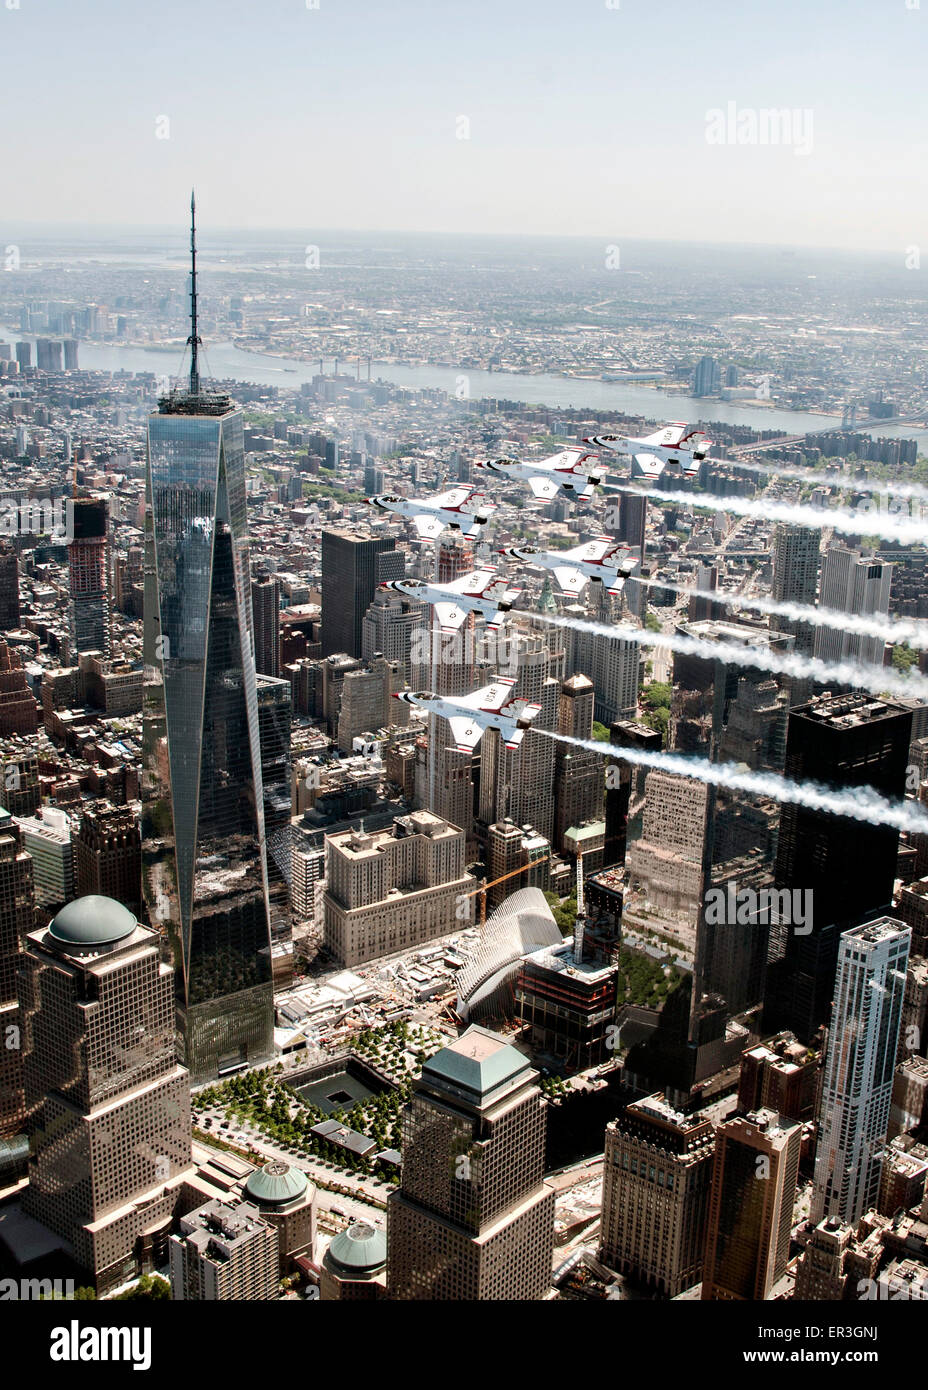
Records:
x=849, y=865
x=352, y=568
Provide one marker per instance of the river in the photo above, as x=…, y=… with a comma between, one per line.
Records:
x=226, y=361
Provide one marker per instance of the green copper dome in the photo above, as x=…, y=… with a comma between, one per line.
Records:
x=92, y=921
x=360, y=1250
x=275, y=1184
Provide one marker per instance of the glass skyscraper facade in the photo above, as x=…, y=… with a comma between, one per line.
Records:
x=204, y=862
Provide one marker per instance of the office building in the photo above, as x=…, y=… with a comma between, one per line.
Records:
x=578, y=774
x=859, y=1068
x=611, y=663
x=274, y=730
x=625, y=785
x=108, y=1105
x=706, y=377
x=352, y=568
x=908, y=1109
x=519, y=782
x=780, y=1075
x=473, y=1219
x=354, y=1267
x=20, y=792
x=203, y=835
x=667, y=864
x=821, y=1272
x=856, y=584
x=47, y=837
x=512, y=847
x=396, y=627
x=393, y=889
x=9, y=587
x=17, y=907
x=754, y=1174
x=848, y=865
x=224, y=1251
x=265, y=610
x=566, y=1004
x=367, y=705
x=108, y=855
x=88, y=570
x=19, y=713
x=626, y=519
x=795, y=578
x=657, y=1171
x=286, y=1200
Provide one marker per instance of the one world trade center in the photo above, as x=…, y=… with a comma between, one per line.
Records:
x=204, y=862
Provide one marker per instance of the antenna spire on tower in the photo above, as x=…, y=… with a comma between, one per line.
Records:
x=194, y=341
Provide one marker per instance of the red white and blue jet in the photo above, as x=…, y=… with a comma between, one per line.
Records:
x=674, y=449
x=482, y=591
x=605, y=561
x=461, y=508
x=571, y=473
x=491, y=707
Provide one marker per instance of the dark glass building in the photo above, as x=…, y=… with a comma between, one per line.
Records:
x=203, y=860
x=849, y=865
x=352, y=568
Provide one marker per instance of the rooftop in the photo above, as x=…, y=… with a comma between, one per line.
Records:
x=479, y=1062
x=92, y=921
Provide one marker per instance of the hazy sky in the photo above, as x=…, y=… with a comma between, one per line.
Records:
x=582, y=118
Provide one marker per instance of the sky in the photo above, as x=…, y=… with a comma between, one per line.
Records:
x=546, y=117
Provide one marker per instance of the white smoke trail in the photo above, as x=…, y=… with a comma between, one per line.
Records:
x=895, y=630
x=856, y=803
x=840, y=480
x=863, y=523
x=859, y=675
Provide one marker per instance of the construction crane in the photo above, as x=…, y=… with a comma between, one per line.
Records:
x=482, y=890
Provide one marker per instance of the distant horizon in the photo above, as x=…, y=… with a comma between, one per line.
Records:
x=206, y=231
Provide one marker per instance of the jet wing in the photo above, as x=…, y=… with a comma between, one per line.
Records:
x=669, y=437
x=592, y=551
x=453, y=498
x=567, y=458
x=477, y=583
x=465, y=732
x=647, y=466
x=450, y=616
x=490, y=697
x=543, y=487
x=570, y=580
x=429, y=527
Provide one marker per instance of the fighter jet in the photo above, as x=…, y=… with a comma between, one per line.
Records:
x=571, y=473
x=431, y=515
x=606, y=561
x=676, y=448
x=482, y=591
x=471, y=715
